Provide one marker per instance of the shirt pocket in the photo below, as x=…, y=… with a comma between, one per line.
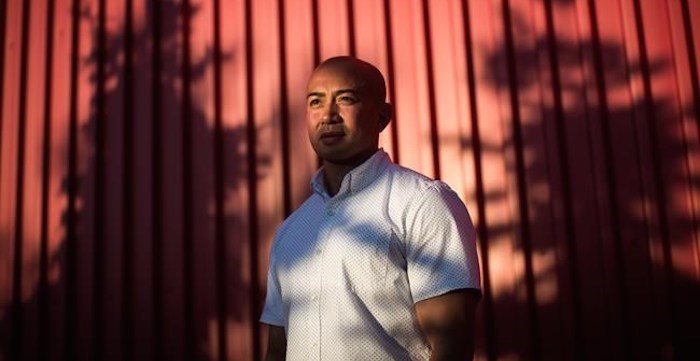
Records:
x=359, y=256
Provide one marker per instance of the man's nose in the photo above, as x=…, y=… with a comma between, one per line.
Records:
x=330, y=114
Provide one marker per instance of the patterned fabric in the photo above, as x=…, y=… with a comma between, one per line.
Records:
x=346, y=270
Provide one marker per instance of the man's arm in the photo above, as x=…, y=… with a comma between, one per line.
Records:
x=447, y=321
x=276, y=344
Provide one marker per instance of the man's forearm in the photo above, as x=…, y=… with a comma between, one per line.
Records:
x=447, y=321
x=452, y=353
x=275, y=356
x=276, y=344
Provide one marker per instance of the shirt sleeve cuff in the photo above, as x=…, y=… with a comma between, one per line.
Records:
x=271, y=320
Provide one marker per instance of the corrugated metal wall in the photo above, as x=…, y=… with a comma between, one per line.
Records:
x=149, y=149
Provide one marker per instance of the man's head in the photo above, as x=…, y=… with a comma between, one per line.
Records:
x=346, y=110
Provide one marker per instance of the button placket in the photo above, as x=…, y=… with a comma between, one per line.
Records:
x=315, y=297
x=331, y=207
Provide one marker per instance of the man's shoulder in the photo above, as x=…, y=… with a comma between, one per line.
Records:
x=414, y=188
x=409, y=181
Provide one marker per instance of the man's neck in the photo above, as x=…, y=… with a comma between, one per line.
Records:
x=333, y=173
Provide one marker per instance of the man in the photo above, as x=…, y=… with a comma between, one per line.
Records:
x=380, y=262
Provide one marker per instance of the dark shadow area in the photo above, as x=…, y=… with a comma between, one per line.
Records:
x=609, y=223
x=614, y=212
x=195, y=163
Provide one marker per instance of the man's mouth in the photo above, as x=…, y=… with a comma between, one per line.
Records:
x=332, y=135
x=331, y=138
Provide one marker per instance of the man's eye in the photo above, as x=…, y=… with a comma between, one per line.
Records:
x=346, y=99
x=314, y=102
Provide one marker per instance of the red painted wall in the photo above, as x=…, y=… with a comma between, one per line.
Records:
x=149, y=149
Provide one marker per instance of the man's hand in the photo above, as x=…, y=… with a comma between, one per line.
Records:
x=447, y=321
x=276, y=344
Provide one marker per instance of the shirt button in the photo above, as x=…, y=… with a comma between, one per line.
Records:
x=318, y=251
x=314, y=298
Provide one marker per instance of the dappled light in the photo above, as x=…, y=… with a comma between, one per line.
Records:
x=150, y=149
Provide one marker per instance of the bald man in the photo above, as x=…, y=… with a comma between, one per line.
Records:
x=380, y=262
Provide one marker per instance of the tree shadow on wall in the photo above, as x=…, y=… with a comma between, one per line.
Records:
x=146, y=283
x=603, y=221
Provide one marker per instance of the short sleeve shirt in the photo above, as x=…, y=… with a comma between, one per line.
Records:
x=345, y=271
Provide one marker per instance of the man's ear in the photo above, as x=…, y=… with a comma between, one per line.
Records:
x=384, y=116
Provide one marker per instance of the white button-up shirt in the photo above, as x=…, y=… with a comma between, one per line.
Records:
x=346, y=270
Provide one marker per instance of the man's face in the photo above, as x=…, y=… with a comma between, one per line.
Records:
x=343, y=114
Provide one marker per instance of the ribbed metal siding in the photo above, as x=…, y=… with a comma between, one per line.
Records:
x=149, y=149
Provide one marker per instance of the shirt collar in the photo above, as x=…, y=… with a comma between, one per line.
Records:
x=357, y=179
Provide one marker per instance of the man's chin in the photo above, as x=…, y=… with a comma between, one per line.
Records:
x=342, y=157
x=332, y=158
x=330, y=152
